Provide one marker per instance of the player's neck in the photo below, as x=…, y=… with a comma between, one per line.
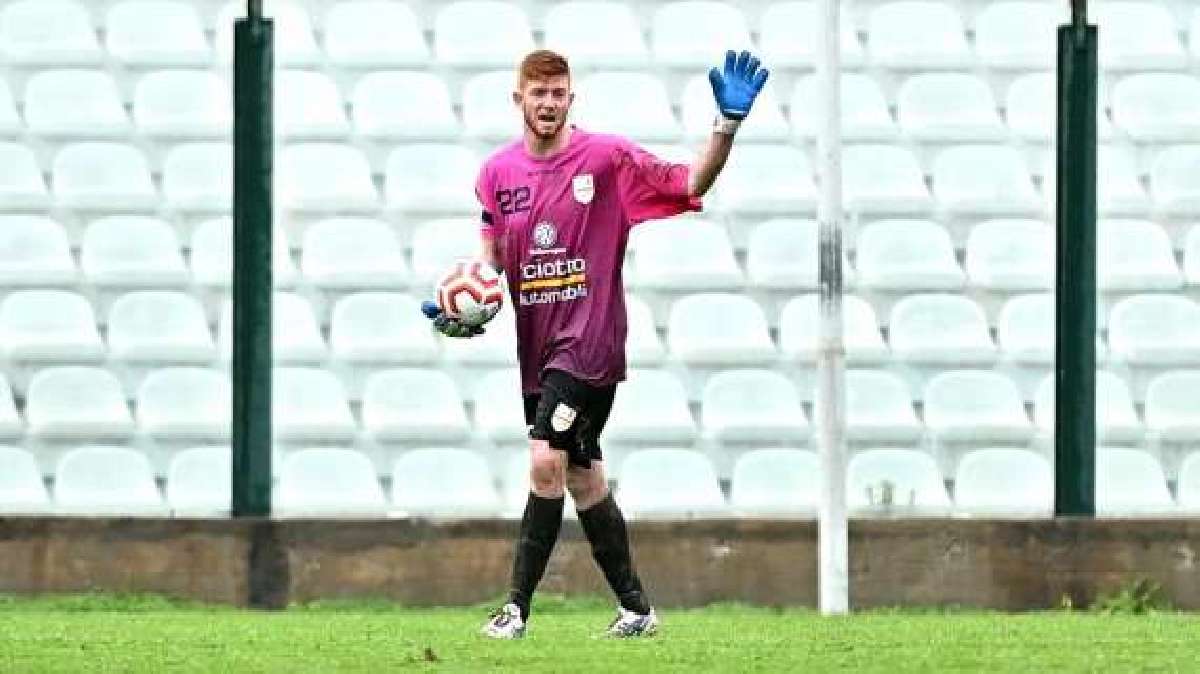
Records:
x=541, y=148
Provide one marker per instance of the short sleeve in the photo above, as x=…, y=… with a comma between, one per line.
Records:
x=651, y=187
x=489, y=228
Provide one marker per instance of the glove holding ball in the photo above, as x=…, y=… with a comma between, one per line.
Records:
x=468, y=296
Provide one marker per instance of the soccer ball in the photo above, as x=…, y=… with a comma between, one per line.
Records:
x=470, y=292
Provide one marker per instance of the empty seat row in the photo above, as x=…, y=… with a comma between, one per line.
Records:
x=652, y=483
x=905, y=34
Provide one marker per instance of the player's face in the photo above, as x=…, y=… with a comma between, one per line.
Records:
x=545, y=103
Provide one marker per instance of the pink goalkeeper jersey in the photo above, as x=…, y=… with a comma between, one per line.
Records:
x=563, y=222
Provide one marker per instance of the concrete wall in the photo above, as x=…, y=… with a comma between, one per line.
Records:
x=985, y=563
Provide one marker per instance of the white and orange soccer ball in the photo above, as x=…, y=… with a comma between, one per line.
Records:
x=470, y=291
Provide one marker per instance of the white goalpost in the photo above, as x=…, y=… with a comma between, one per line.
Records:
x=833, y=583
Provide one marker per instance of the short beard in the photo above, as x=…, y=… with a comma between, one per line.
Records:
x=531, y=124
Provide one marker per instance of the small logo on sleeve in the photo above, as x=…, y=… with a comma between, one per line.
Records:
x=584, y=188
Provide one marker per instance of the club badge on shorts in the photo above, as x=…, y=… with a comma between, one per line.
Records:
x=562, y=418
x=583, y=188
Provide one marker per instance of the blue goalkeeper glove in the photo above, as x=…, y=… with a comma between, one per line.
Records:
x=738, y=84
x=450, y=327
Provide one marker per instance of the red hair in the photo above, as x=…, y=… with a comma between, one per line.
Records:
x=540, y=65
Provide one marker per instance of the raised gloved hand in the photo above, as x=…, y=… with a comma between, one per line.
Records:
x=450, y=327
x=736, y=86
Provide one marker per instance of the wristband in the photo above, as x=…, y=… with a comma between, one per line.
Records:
x=725, y=125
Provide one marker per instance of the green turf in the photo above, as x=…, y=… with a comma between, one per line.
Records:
x=150, y=634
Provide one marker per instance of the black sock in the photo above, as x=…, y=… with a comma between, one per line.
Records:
x=539, y=531
x=605, y=529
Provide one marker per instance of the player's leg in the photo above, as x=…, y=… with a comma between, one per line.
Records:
x=604, y=524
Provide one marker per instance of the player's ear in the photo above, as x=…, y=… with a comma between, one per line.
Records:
x=516, y=98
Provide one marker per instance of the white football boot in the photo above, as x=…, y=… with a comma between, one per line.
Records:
x=628, y=624
x=504, y=623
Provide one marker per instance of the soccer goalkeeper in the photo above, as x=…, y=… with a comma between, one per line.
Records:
x=557, y=208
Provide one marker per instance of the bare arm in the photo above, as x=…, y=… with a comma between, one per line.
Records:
x=709, y=163
x=491, y=251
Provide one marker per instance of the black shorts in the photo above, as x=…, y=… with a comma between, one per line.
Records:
x=571, y=415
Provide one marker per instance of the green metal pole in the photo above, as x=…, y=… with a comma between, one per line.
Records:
x=253, y=39
x=1075, y=345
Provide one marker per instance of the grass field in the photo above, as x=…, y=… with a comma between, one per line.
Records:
x=95, y=633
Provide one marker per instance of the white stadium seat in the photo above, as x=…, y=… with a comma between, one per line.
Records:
x=595, y=34
x=1118, y=189
x=1138, y=36
x=403, y=105
x=800, y=326
x=294, y=42
x=669, y=483
x=752, y=406
x=10, y=121
x=49, y=326
x=436, y=244
x=444, y=482
x=212, y=254
x=481, y=33
x=131, y=251
x=948, y=107
x=159, y=326
x=295, y=333
x=1175, y=180
x=642, y=345
x=374, y=34
x=1171, y=410
x=602, y=105
x=865, y=114
x=324, y=177
x=328, y=482
x=719, y=328
x=1155, y=330
x=683, y=254
x=1010, y=255
x=498, y=346
x=47, y=32
x=1191, y=256
x=883, y=179
x=351, y=253
x=650, y=407
x=1130, y=482
x=155, y=33
x=76, y=402
x=308, y=106
x=1025, y=329
x=1116, y=420
x=183, y=104
x=10, y=421
x=788, y=36
x=782, y=253
x=1029, y=105
x=413, y=404
x=1153, y=107
x=984, y=179
x=879, y=408
x=98, y=480
x=21, y=184
x=432, y=177
x=185, y=402
x=34, y=251
x=198, y=177
x=103, y=177
x=1018, y=35
x=200, y=482
x=884, y=480
x=487, y=107
x=698, y=108
x=1135, y=255
x=975, y=406
x=775, y=482
x=380, y=327
x=907, y=254
x=499, y=409
x=309, y=404
x=766, y=179
x=917, y=34
x=940, y=328
x=1002, y=481
x=1188, y=486
x=697, y=32
x=21, y=488
x=74, y=103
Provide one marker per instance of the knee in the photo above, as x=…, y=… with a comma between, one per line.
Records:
x=546, y=472
x=588, y=487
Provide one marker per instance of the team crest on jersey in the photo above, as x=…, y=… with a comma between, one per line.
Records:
x=584, y=188
x=545, y=235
